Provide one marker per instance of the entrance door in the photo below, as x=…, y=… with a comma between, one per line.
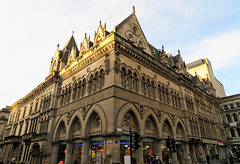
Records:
x=61, y=152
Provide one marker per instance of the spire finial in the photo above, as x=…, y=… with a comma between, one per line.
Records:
x=58, y=45
x=162, y=48
x=85, y=34
x=133, y=8
x=100, y=23
x=178, y=52
x=72, y=32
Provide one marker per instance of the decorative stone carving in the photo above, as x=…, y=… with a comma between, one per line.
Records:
x=159, y=114
x=107, y=64
x=173, y=119
x=117, y=63
x=141, y=110
x=84, y=111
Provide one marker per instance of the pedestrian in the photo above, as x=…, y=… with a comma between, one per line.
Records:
x=158, y=160
x=152, y=160
x=13, y=161
x=1, y=161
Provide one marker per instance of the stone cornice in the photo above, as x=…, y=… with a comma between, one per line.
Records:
x=83, y=62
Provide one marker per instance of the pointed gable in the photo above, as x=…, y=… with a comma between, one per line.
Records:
x=100, y=34
x=131, y=30
x=85, y=45
x=71, y=44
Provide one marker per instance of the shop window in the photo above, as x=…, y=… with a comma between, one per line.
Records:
x=97, y=152
x=77, y=152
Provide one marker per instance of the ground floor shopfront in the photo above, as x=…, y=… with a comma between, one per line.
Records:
x=101, y=150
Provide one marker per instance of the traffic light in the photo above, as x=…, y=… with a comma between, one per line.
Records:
x=168, y=142
x=136, y=140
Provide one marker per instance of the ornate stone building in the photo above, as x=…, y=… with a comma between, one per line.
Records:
x=94, y=93
x=4, y=115
x=230, y=108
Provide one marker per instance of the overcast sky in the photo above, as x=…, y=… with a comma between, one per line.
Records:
x=31, y=29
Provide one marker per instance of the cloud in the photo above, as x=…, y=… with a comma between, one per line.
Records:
x=222, y=50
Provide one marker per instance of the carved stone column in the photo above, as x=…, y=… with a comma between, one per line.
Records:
x=85, y=153
x=68, y=158
x=55, y=152
x=186, y=153
x=159, y=149
x=139, y=153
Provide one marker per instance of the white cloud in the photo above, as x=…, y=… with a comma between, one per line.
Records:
x=222, y=50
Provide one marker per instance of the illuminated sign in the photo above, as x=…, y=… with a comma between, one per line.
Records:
x=98, y=143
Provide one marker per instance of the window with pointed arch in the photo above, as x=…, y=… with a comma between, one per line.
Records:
x=159, y=93
x=90, y=85
x=238, y=132
x=232, y=133
x=74, y=94
x=173, y=98
x=143, y=86
x=69, y=94
x=123, y=78
x=235, y=117
x=101, y=79
x=95, y=82
x=83, y=87
x=167, y=96
x=164, y=94
x=135, y=83
x=129, y=80
x=79, y=89
x=228, y=117
x=153, y=90
x=148, y=88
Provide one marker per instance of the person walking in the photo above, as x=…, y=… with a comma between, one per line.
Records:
x=158, y=160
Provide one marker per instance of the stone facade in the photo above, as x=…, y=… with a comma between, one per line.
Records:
x=92, y=95
x=230, y=108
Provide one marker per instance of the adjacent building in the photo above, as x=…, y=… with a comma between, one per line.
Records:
x=4, y=115
x=230, y=108
x=203, y=68
x=93, y=94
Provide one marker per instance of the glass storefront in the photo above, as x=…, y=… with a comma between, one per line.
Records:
x=77, y=151
x=148, y=151
x=97, y=152
x=61, y=152
x=165, y=152
x=125, y=150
